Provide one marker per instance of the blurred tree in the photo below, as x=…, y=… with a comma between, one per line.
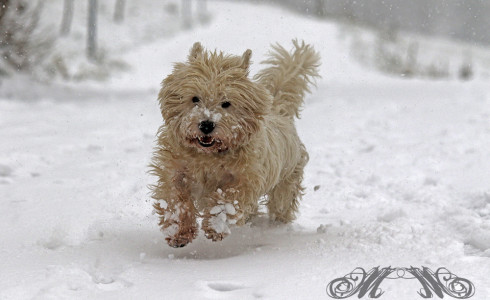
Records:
x=67, y=17
x=92, y=30
x=22, y=47
x=186, y=10
x=119, y=11
x=410, y=65
x=4, y=4
x=465, y=71
x=320, y=8
x=202, y=11
x=461, y=19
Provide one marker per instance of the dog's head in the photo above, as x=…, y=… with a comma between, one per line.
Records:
x=209, y=103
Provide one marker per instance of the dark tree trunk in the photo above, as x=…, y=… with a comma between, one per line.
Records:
x=4, y=5
x=119, y=11
x=67, y=17
x=92, y=30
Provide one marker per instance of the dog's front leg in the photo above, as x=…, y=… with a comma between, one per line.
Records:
x=176, y=210
x=223, y=210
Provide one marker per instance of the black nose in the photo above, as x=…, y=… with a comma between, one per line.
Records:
x=206, y=127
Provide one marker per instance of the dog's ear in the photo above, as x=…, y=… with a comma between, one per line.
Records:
x=195, y=51
x=246, y=59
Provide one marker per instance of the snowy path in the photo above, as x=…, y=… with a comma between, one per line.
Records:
x=398, y=176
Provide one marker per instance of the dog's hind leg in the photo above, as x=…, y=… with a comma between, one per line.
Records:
x=284, y=198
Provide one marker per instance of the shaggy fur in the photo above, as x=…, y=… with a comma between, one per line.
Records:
x=228, y=141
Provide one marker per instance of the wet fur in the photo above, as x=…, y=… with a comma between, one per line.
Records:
x=255, y=149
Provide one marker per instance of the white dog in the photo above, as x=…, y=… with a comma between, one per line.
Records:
x=228, y=140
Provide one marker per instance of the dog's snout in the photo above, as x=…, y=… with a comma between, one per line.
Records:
x=206, y=126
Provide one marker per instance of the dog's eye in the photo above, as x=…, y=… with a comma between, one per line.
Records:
x=195, y=99
x=225, y=104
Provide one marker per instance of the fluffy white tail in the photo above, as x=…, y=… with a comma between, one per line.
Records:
x=290, y=76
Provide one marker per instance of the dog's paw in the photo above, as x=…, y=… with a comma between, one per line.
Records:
x=182, y=238
x=215, y=236
x=178, y=242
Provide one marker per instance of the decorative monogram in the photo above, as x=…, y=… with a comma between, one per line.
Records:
x=439, y=283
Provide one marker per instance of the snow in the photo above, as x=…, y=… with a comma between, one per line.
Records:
x=203, y=111
x=398, y=176
x=163, y=204
x=219, y=220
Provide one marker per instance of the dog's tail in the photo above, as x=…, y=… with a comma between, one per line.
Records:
x=290, y=76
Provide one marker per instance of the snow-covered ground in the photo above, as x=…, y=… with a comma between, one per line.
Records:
x=399, y=175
